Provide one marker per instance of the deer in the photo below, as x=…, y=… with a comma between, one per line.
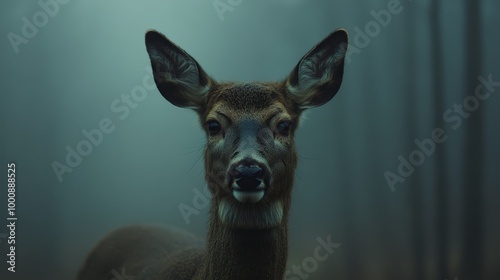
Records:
x=250, y=159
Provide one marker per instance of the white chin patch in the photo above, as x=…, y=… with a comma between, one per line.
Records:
x=251, y=197
x=246, y=216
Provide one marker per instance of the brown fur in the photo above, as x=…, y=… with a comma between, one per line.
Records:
x=245, y=240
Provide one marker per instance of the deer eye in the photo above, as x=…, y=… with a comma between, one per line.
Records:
x=284, y=127
x=213, y=127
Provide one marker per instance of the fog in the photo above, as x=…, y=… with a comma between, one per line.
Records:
x=397, y=209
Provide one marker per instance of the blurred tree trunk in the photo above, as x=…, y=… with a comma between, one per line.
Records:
x=472, y=181
x=440, y=180
x=415, y=187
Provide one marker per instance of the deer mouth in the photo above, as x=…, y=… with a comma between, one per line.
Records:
x=249, y=190
x=248, y=180
x=249, y=196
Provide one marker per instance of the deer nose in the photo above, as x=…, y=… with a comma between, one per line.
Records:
x=249, y=175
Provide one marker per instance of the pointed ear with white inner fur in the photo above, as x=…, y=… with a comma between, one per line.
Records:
x=179, y=78
x=318, y=75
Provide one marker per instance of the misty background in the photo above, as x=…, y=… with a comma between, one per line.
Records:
x=440, y=222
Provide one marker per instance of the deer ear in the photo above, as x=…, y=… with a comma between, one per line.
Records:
x=178, y=77
x=318, y=75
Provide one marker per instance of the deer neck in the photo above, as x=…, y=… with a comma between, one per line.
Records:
x=245, y=253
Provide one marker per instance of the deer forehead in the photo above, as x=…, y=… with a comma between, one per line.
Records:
x=257, y=101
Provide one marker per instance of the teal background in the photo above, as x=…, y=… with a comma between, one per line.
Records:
x=442, y=222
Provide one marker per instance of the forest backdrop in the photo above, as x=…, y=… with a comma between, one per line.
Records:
x=401, y=169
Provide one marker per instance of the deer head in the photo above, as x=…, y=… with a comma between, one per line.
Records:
x=250, y=155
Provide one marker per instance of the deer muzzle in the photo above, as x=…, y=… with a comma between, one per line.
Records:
x=248, y=180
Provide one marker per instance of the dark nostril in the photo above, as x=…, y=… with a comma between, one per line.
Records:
x=248, y=171
x=248, y=175
x=235, y=154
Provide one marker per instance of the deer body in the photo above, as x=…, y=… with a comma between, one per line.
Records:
x=250, y=160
